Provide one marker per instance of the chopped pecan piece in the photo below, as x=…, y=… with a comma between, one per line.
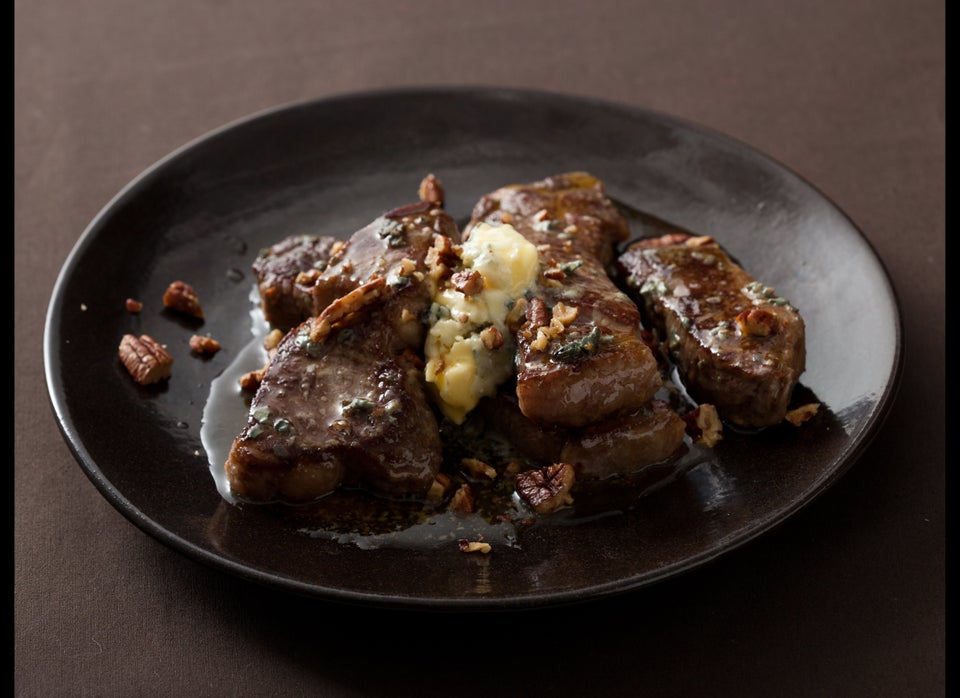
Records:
x=442, y=257
x=473, y=546
x=802, y=414
x=271, y=341
x=431, y=190
x=182, y=298
x=438, y=489
x=145, y=359
x=406, y=267
x=564, y=313
x=546, y=489
x=206, y=346
x=307, y=278
x=491, y=337
x=462, y=500
x=542, y=341
x=704, y=425
x=478, y=468
x=250, y=381
x=469, y=283
x=133, y=306
x=756, y=322
x=346, y=307
x=516, y=314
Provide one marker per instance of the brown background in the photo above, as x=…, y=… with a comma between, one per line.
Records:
x=846, y=599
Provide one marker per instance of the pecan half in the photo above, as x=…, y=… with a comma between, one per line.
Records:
x=546, y=489
x=145, y=359
x=345, y=308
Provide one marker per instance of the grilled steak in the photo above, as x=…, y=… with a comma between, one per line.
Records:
x=377, y=249
x=285, y=275
x=580, y=356
x=336, y=412
x=342, y=401
x=301, y=275
x=619, y=445
x=625, y=444
x=735, y=343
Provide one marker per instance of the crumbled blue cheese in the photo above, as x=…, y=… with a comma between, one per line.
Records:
x=460, y=367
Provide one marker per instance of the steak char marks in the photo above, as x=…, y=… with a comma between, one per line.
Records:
x=341, y=401
x=580, y=356
x=735, y=343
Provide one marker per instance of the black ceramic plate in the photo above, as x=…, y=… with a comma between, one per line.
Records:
x=328, y=167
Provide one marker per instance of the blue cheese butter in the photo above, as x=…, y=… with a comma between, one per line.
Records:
x=463, y=364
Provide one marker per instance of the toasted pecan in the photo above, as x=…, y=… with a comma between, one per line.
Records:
x=145, y=359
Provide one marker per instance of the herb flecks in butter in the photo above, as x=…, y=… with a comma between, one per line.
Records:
x=461, y=367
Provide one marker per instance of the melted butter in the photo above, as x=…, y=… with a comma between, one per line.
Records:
x=460, y=367
x=225, y=412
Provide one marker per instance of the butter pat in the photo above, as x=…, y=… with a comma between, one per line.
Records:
x=460, y=368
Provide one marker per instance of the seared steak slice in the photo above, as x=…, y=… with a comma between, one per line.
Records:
x=580, y=356
x=285, y=275
x=619, y=445
x=735, y=343
x=499, y=418
x=342, y=401
x=301, y=275
x=376, y=249
x=336, y=413
x=625, y=444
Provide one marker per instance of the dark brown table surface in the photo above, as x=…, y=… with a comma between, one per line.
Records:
x=847, y=598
